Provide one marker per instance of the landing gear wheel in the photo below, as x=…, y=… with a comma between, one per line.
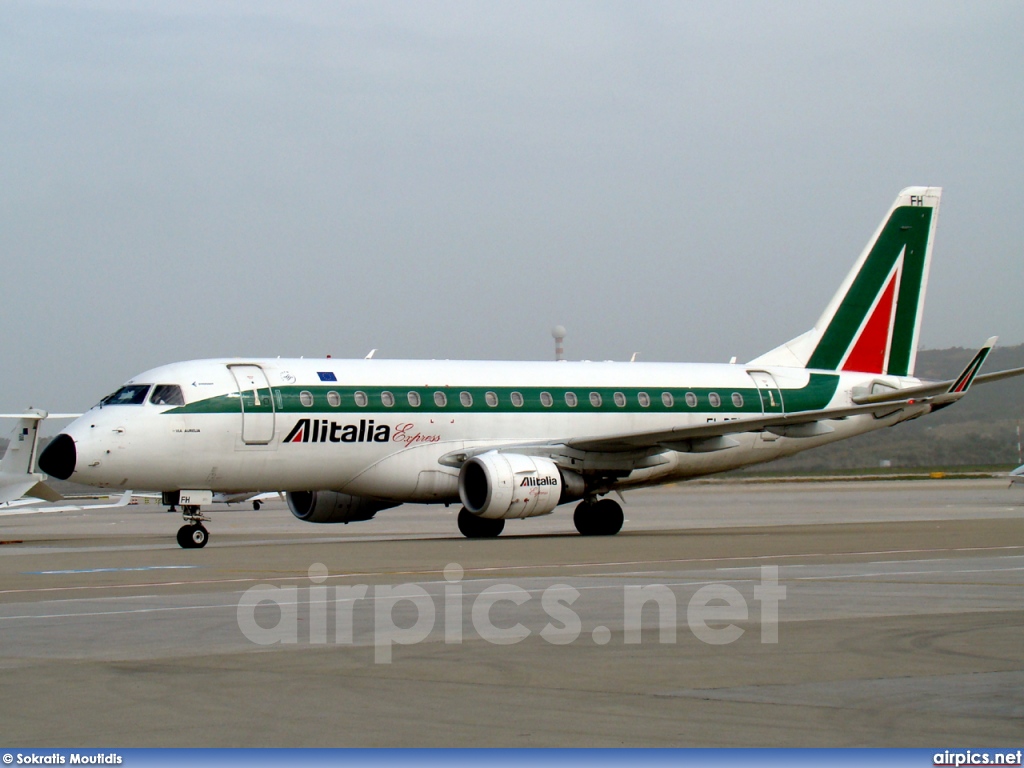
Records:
x=256, y=506
x=192, y=535
x=599, y=518
x=473, y=527
x=199, y=536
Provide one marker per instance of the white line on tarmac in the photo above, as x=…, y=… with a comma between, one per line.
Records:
x=491, y=569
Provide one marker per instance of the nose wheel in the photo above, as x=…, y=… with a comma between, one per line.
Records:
x=193, y=535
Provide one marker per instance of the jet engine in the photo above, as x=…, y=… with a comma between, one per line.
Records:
x=509, y=485
x=333, y=507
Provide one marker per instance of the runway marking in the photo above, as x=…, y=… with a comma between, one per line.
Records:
x=471, y=594
x=111, y=570
x=367, y=598
x=905, y=573
x=491, y=569
x=874, y=562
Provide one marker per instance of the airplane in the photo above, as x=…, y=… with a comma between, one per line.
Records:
x=345, y=439
x=30, y=507
x=1017, y=476
x=257, y=499
x=17, y=475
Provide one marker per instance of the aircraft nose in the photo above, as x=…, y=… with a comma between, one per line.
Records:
x=59, y=457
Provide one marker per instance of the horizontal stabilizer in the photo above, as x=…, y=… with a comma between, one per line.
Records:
x=15, y=488
x=957, y=386
x=43, y=491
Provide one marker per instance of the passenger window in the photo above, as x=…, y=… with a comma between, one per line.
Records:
x=546, y=400
x=414, y=399
x=306, y=398
x=667, y=400
x=387, y=399
x=644, y=399
x=691, y=399
x=714, y=399
x=491, y=399
x=595, y=399
x=466, y=399
x=517, y=399
x=333, y=399
x=440, y=399
x=133, y=394
x=361, y=399
x=570, y=399
x=620, y=399
x=167, y=394
x=737, y=400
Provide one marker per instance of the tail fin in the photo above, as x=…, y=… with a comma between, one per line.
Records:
x=873, y=322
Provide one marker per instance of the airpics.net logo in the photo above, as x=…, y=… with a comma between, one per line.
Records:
x=455, y=611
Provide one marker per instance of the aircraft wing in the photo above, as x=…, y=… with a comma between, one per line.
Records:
x=32, y=506
x=1017, y=476
x=633, y=450
x=966, y=378
x=713, y=436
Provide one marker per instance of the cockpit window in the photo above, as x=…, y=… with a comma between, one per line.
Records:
x=133, y=394
x=167, y=394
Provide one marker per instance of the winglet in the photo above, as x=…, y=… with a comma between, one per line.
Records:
x=964, y=380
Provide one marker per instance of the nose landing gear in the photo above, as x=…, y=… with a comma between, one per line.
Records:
x=193, y=535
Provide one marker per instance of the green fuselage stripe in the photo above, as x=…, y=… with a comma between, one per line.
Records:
x=322, y=398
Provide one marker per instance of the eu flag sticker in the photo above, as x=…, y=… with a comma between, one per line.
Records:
x=326, y=376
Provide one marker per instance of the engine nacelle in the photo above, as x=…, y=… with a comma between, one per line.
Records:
x=509, y=485
x=333, y=507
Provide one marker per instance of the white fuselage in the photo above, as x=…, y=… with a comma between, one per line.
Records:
x=382, y=428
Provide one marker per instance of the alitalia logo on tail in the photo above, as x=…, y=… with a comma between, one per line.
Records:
x=872, y=324
x=325, y=431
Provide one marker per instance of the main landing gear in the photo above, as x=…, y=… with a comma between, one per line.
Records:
x=193, y=535
x=598, y=518
x=592, y=518
x=473, y=527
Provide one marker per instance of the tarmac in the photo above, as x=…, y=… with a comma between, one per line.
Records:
x=754, y=614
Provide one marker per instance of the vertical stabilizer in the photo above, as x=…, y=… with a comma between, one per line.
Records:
x=873, y=322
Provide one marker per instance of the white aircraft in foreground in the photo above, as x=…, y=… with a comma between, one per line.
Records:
x=1017, y=476
x=347, y=438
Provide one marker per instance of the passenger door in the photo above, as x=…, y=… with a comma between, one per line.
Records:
x=257, y=404
x=771, y=401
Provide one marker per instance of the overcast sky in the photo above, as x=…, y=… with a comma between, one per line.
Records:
x=689, y=181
